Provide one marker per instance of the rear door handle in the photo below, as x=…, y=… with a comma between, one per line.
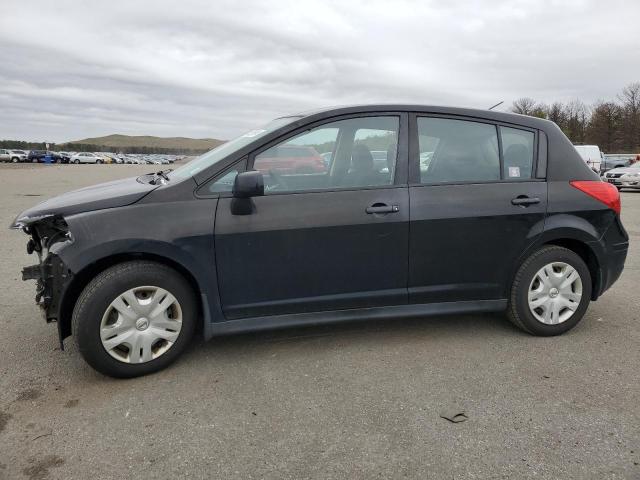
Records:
x=525, y=201
x=382, y=208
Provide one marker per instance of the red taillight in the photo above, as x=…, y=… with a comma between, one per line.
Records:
x=601, y=191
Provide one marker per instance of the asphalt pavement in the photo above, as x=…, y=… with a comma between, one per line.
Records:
x=353, y=401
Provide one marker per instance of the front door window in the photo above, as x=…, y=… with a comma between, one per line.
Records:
x=353, y=153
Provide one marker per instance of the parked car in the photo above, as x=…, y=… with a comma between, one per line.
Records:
x=13, y=156
x=379, y=160
x=132, y=267
x=107, y=157
x=592, y=156
x=18, y=156
x=36, y=156
x=292, y=159
x=624, y=177
x=326, y=158
x=64, y=157
x=86, y=157
x=610, y=161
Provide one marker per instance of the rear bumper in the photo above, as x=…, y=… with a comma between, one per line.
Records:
x=615, y=243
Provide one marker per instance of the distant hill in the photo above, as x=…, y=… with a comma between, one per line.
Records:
x=127, y=142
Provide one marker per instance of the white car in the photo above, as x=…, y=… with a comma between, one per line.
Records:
x=624, y=177
x=14, y=156
x=86, y=157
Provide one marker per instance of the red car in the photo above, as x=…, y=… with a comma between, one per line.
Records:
x=290, y=159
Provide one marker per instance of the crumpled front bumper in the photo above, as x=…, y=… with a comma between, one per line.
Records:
x=52, y=278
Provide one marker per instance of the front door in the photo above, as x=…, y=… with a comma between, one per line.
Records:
x=331, y=231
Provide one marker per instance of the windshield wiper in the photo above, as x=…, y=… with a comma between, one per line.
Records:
x=162, y=174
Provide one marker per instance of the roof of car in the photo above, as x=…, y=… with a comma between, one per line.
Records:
x=515, y=118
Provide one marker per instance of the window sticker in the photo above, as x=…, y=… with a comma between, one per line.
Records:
x=514, y=172
x=253, y=133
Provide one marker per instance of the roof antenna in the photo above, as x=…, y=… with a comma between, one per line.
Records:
x=497, y=104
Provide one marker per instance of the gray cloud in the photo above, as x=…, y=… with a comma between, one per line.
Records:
x=72, y=69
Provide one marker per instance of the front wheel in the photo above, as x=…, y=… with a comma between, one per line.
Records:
x=76, y=161
x=134, y=318
x=551, y=292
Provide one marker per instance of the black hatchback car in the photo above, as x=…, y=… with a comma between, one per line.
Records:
x=472, y=211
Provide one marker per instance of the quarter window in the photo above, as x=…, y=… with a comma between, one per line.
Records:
x=517, y=153
x=457, y=151
x=224, y=183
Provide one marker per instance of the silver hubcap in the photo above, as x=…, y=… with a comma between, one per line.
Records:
x=141, y=324
x=555, y=293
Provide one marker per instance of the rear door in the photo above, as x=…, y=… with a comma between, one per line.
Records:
x=476, y=204
x=330, y=240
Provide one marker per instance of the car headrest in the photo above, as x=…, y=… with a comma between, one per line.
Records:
x=361, y=158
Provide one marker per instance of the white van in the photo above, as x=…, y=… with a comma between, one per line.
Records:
x=592, y=156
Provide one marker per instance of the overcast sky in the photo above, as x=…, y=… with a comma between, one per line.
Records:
x=75, y=69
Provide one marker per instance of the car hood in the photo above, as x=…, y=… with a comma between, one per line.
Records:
x=113, y=194
x=623, y=170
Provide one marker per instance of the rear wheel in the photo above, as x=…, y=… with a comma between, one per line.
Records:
x=134, y=318
x=551, y=292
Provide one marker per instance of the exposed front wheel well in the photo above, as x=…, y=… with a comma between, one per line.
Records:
x=82, y=279
x=588, y=256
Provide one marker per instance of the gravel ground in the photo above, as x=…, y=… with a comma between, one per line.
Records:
x=349, y=401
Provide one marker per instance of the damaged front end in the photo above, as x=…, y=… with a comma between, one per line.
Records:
x=48, y=234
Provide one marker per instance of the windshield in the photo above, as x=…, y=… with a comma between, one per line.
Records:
x=224, y=150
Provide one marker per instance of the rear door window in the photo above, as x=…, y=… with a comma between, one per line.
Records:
x=457, y=151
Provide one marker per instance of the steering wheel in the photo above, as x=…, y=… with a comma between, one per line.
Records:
x=279, y=181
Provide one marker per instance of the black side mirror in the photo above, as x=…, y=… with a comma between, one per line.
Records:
x=248, y=184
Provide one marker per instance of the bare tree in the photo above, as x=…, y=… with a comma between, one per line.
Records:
x=613, y=125
x=604, y=128
x=524, y=106
x=577, y=115
x=630, y=99
x=556, y=113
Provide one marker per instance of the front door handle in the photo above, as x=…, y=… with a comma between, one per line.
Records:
x=525, y=201
x=382, y=208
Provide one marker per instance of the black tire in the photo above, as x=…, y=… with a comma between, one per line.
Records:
x=103, y=289
x=518, y=310
x=76, y=161
x=15, y=160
